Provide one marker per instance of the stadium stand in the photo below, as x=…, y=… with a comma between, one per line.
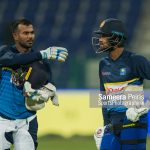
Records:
x=69, y=23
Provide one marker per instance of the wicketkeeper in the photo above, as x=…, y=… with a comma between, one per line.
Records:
x=25, y=86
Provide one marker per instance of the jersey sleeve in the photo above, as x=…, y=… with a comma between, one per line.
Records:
x=102, y=90
x=141, y=67
x=8, y=58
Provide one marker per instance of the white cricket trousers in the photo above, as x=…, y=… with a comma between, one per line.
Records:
x=22, y=139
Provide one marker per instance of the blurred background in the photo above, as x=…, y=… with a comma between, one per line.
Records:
x=70, y=23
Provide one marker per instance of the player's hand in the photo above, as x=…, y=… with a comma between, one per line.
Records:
x=133, y=114
x=57, y=53
x=98, y=136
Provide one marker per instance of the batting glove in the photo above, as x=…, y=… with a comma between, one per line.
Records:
x=133, y=114
x=98, y=136
x=57, y=53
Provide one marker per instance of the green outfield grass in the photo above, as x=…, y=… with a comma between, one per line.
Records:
x=74, y=143
x=58, y=143
x=148, y=144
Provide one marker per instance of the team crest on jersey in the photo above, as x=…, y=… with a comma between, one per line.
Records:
x=123, y=71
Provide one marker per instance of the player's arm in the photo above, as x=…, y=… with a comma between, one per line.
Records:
x=8, y=58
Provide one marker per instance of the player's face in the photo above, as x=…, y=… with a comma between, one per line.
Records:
x=100, y=43
x=24, y=36
x=103, y=41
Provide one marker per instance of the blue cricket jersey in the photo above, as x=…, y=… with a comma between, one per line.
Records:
x=115, y=75
x=12, y=101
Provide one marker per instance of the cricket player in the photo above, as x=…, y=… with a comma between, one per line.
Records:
x=18, y=88
x=125, y=128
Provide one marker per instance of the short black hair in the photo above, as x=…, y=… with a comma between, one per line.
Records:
x=23, y=21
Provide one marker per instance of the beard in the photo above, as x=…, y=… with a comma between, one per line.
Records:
x=103, y=48
x=27, y=45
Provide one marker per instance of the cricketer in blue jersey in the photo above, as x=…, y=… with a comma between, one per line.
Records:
x=125, y=128
x=24, y=86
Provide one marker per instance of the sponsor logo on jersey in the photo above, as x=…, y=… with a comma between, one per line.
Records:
x=106, y=73
x=114, y=88
x=119, y=86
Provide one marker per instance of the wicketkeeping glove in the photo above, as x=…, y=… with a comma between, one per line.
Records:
x=57, y=53
x=35, y=99
x=32, y=98
x=133, y=114
x=98, y=136
x=49, y=91
x=31, y=93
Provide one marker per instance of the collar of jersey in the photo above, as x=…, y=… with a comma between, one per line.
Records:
x=14, y=49
x=121, y=55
